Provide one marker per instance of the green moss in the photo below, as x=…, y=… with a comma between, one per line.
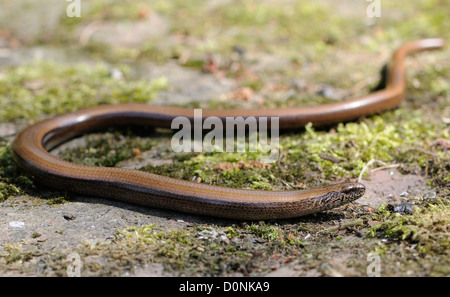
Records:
x=59, y=199
x=200, y=250
x=427, y=226
x=427, y=18
x=231, y=232
x=186, y=249
x=241, y=23
x=196, y=250
x=15, y=253
x=36, y=235
x=42, y=87
x=269, y=232
x=109, y=148
x=12, y=181
x=377, y=138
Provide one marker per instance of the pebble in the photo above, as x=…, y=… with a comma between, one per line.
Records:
x=239, y=49
x=17, y=224
x=299, y=84
x=404, y=208
x=116, y=74
x=68, y=216
x=430, y=195
x=328, y=92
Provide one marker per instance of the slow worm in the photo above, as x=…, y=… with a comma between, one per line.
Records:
x=30, y=151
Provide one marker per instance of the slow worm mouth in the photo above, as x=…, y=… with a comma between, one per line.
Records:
x=353, y=191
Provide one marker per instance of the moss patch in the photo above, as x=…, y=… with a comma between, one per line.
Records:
x=47, y=88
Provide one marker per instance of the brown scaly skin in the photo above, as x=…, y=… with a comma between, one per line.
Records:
x=30, y=151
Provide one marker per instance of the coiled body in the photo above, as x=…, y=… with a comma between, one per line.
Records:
x=30, y=151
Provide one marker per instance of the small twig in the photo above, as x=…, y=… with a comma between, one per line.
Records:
x=279, y=160
x=364, y=84
x=446, y=116
x=88, y=31
x=385, y=167
x=445, y=143
x=329, y=158
x=4, y=136
x=422, y=151
x=286, y=184
x=357, y=222
x=367, y=166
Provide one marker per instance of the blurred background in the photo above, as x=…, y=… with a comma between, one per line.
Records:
x=256, y=53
